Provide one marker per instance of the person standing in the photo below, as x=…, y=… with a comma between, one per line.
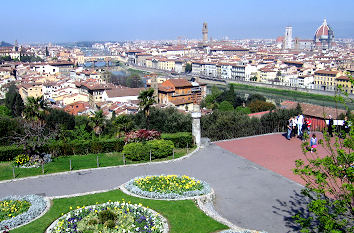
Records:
x=300, y=122
x=294, y=126
x=290, y=128
x=330, y=126
x=308, y=124
x=313, y=142
x=346, y=125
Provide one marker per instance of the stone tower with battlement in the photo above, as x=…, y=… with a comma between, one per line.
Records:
x=205, y=32
x=288, y=38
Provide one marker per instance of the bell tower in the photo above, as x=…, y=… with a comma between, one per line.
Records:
x=205, y=32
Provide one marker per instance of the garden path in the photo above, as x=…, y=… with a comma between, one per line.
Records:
x=249, y=195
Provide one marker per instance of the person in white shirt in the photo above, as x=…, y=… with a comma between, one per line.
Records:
x=300, y=122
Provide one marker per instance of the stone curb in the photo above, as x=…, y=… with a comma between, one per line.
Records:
x=102, y=168
x=48, y=201
x=206, y=204
x=126, y=191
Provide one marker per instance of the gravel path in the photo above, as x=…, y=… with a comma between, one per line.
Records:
x=247, y=194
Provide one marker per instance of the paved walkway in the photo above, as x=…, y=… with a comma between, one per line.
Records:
x=272, y=151
x=247, y=194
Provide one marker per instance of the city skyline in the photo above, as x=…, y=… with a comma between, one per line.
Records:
x=66, y=21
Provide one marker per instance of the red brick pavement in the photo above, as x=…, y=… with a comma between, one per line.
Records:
x=273, y=152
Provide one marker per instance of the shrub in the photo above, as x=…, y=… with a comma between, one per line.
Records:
x=84, y=146
x=180, y=140
x=160, y=148
x=109, y=224
x=8, y=153
x=260, y=106
x=106, y=215
x=93, y=221
x=142, y=135
x=136, y=151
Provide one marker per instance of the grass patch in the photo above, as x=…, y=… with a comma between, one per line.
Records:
x=183, y=216
x=289, y=93
x=78, y=162
x=279, y=95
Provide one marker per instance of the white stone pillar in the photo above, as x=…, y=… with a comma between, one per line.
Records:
x=196, y=132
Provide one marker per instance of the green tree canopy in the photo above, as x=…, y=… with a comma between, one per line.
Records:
x=35, y=108
x=260, y=106
x=123, y=123
x=147, y=99
x=57, y=117
x=13, y=101
x=166, y=120
x=225, y=106
x=4, y=111
x=98, y=122
x=244, y=110
x=188, y=68
x=254, y=97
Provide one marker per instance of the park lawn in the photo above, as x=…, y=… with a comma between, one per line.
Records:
x=78, y=162
x=183, y=216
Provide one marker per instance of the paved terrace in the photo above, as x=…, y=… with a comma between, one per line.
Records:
x=254, y=186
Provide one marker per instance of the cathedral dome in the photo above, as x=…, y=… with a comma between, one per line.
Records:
x=324, y=31
x=324, y=36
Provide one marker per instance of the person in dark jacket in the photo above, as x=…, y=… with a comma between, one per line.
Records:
x=330, y=126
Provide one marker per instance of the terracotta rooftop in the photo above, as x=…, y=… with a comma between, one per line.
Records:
x=177, y=102
x=314, y=110
x=180, y=82
x=326, y=72
x=344, y=78
x=120, y=92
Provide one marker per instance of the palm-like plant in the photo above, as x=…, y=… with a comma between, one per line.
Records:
x=123, y=123
x=146, y=100
x=35, y=108
x=98, y=122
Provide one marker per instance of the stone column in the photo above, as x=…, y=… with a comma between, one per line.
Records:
x=196, y=132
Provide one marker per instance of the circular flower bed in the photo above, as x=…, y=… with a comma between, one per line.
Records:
x=167, y=187
x=110, y=217
x=18, y=210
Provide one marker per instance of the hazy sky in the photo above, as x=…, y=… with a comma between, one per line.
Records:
x=77, y=20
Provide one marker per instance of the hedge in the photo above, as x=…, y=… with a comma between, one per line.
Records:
x=84, y=147
x=59, y=148
x=160, y=148
x=180, y=140
x=8, y=153
x=138, y=151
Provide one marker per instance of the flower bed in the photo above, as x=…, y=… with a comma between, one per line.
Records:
x=110, y=217
x=28, y=208
x=12, y=208
x=167, y=187
x=24, y=161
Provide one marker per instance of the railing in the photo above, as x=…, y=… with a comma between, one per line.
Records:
x=255, y=127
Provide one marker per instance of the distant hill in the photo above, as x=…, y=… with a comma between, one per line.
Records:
x=5, y=44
